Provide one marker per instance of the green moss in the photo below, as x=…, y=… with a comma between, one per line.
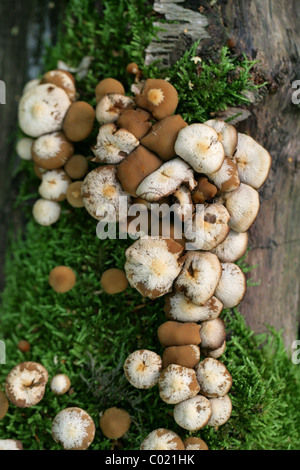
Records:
x=86, y=333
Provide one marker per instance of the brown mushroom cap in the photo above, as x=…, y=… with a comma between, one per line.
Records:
x=142, y=368
x=54, y=185
x=232, y=285
x=76, y=167
x=227, y=177
x=204, y=191
x=193, y=414
x=108, y=85
x=213, y=377
x=111, y=106
x=113, y=144
x=186, y=356
x=23, y=345
x=136, y=121
x=159, y=97
x=214, y=353
x=25, y=384
x=221, y=408
x=161, y=138
x=178, y=307
x=10, y=444
x=60, y=384
x=73, y=194
x=51, y=151
x=136, y=167
x=212, y=334
x=199, y=277
x=177, y=383
x=195, y=443
x=73, y=428
x=172, y=333
x=4, y=404
x=233, y=247
x=62, y=279
x=114, y=281
x=38, y=170
x=115, y=422
x=243, y=206
x=79, y=121
x=62, y=79
x=162, y=439
x=227, y=135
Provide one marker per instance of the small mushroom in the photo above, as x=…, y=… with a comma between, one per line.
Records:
x=76, y=167
x=232, y=248
x=142, y=368
x=199, y=145
x=204, y=191
x=186, y=356
x=38, y=170
x=73, y=194
x=113, y=281
x=60, y=384
x=133, y=69
x=152, y=264
x=136, y=167
x=10, y=444
x=177, y=383
x=252, y=160
x=178, y=307
x=165, y=180
x=232, y=285
x=162, y=136
x=199, y=276
x=79, y=121
x=62, y=79
x=212, y=334
x=162, y=439
x=227, y=135
x=159, y=97
x=214, y=353
x=213, y=377
x=113, y=144
x=46, y=212
x=243, y=206
x=136, y=121
x=221, y=408
x=226, y=179
x=73, y=428
x=115, y=422
x=111, y=106
x=54, y=185
x=23, y=345
x=42, y=110
x=25, y=384
x=173, y=333
x=51, y=151
x=195, y=443
x=4, y=404
x=62, y=279
x=23, y=148
x=193, y=414
x=108, y=85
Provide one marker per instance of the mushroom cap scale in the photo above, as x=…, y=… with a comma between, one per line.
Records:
x=142, y=368
x=177, y=383
x=227, y=135
x=178, y=307
x=193, y=414
x=25, y=384
x=162, y=439
x=213, y=377
x=46, y=212
x=232, y=285
x=113, y=144
x=221, y=408
x=73, y=428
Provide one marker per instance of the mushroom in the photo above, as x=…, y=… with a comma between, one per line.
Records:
x=195, y=443
x=177, y=383
x=204, y=191
x=226, y=179
x=178, y=307
x=186, y=356
x=161, y=138
x=115, y=422
x=159, y=97
x=221, y=408
x=25, y=384
x=162, y=439
x=213, y=377
x=199, y=276
x=243, y=206
x=46, y=212
x=23, y=345
x=73, y=194
x=136, y=167
x=165, y=180
x=136, y=121
x=101, y=193
x=38, y=170
x=199, y=145
x=215, y=353
x=42, y=110
x=111, y=106
x=62, y=279
x=113, y=281
x=183, y=206
x=79, y=121
x=152, y=264
x=252, y=160
x=60, y=384
x=142, y=368
x=23, y=148
x=62, y=79
x=10, y=444
x=232, y=248
x=227, y=135
x=208, y=227
x=73, y=428
x=4, y=404
x=54, y=185
x=193, y=414
x=232, y=285
x=133, y=69
x=51, y=151
x=76, y=167
x=212, y=334
x=173, y=333
x=113, y=144
x=108, y=85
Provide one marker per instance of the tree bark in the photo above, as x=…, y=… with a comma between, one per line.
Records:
x=267, y=30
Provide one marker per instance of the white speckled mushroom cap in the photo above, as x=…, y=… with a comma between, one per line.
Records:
x=232, y=248
x=221, y=408
x=193, y=414
x=109, y=107
x=232, y=285
x=162, y=439
x=54, y=185
x=178, y=307
x=243, y=206
x=212, y=334
x=213, y=377
x=42, y=109
x=46, y=212
x=226, y=179
x=227, y=134
x=30, y=85
x=10, y=444
x=25, y=384
x=23, y=148
x=73, y=428
x=177, y=383
x=142, y=368
x=60, y=384
x=113, y=144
